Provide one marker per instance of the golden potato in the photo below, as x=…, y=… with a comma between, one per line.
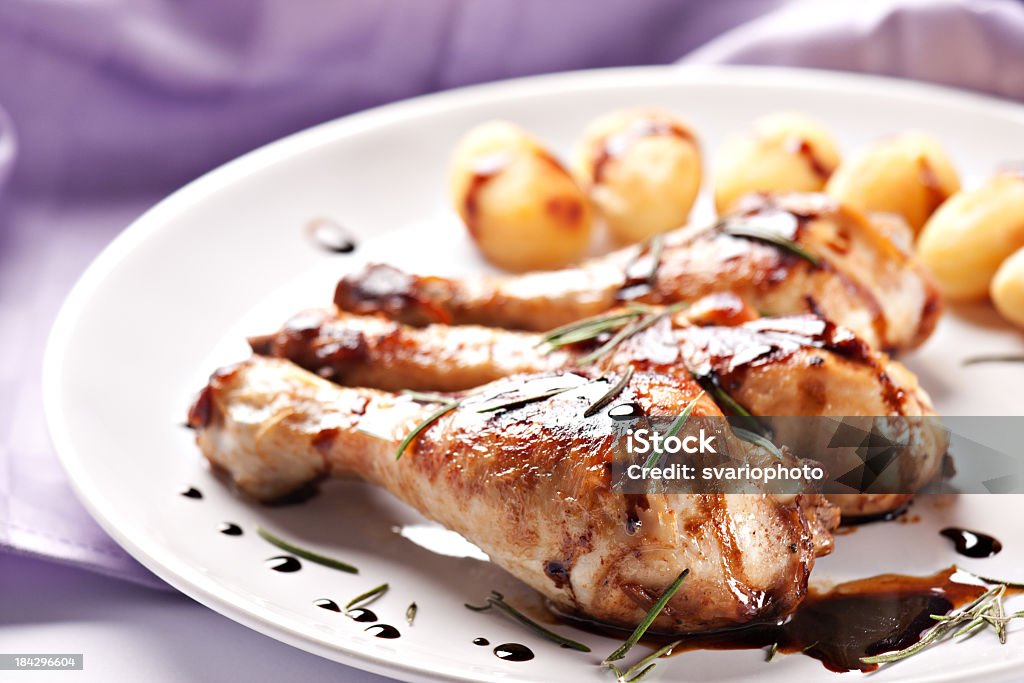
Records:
x=972, y=233
x=785, y=152
x=520, y=205
x=909, y=174
x=1008, y=288
x=642, y=171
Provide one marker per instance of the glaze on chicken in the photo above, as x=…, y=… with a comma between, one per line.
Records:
x=531, y=486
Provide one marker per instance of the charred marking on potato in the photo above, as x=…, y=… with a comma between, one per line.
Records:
x=566, y=210
x=804, y=148
x=614, y=146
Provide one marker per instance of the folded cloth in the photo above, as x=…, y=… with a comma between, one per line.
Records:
x=971, y=44
x=116, y=104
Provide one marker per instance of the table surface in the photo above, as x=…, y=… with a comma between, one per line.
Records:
x=127, y=632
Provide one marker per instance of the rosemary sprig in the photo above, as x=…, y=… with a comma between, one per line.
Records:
x=773, y=650
x=496, y=599
x=615, y=390
x=427, y=421
x=427, y=396
x=410, y=613
x=757, y=440
x=520, y=401
x=621, y=651
x=367, y=597
x=639, y=671
x=304, y=553
x=673, y=429
x=993, y=358
x=628, y=331
x=589, y=328
x=731, y=405
x=753, y=232
x=985, y=610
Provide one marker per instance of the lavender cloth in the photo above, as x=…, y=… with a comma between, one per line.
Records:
x=116, y=103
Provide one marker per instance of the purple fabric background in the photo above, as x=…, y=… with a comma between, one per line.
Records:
x=117, y=102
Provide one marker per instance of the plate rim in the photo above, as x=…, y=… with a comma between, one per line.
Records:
x=194, y=584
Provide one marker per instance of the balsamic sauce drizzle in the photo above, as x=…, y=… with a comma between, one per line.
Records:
x=192, y=492
x=972, y=543
x=513, y=652
x=331, y=236
x=361, y=614
x=383, y=631
x=285, y=564
x=481, y=641
x=230, y=529
x=327, y=604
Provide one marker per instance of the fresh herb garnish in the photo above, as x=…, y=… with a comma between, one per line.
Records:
x=427, y=421
x=367, y=597
x=729, y=404
x=757, y=440
x=673, y=429
x=985, y=610
x=773, y=650
x=621, y=651
x=410, y=613
x=753, y=232
x=633, y=328
x=993, y=358
x=305, y=554
x=519, y=401
x=615, y=390
x=589, y=328
x=639, y=671
x=427, y=396
x=496, y=599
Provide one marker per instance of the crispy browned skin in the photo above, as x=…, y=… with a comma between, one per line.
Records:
x=863, y=281
x=531, y=486
x=793, y=366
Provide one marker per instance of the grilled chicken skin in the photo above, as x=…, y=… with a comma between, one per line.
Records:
x=773, y=367
x=859, y=279
x=531, y=486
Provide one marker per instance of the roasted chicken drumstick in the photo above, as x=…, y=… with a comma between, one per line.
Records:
x=784, y=255
x=772, y=367
x=531, y=486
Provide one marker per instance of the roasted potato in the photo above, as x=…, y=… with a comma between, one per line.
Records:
x=785, y=152
x=967, y=239
x=909, y=174
x=520, y=205
x=1008, y=288
x=642, y=170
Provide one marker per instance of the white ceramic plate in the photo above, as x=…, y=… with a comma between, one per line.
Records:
x=175, y=294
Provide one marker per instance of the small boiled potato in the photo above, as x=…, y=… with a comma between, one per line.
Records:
x=909, y=174
x=521, y=207
x=785, y=152
x=970, y=235
x=642, y=170
x=1008, y=288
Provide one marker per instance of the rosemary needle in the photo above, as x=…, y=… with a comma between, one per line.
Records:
x=410, y=613
x=427, y=421
x=621, y=651
x=496, y=599
x=615, y=390
x=673, y=429
x=639, y=671
x=367, y=597
x=305, y=554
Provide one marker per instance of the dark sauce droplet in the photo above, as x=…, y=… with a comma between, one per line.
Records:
x=625, y=411
x=513, y=652
x=331, y=236
x=972, y=543
x=229, y=529
x=284, y=563
x=481, y=641
x=327, y=604
x=361, y=614
x=383, y=631
x=192, y=492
